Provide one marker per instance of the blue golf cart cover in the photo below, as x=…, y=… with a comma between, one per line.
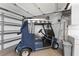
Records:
x=27, y=39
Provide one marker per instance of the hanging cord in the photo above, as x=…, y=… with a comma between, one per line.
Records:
x=59, y=32
x=59, y=28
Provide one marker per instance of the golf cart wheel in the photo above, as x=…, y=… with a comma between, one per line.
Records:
x=25, y=52
x=55, y=45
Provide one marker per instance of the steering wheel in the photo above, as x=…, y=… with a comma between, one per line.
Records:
x=40, y=30
x=46, y=36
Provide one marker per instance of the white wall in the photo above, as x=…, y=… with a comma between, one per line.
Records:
x=0, y=27
x=75, y=14
x=11, y=28
x=0, y=47
x=11, y=44
x=59, y=28
x=73, y=29
x=7, y=28
x=12, y=20
x=0, y=30
x=10, y=36
x=54, y=18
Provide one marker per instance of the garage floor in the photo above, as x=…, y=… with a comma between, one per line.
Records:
x=45, y=52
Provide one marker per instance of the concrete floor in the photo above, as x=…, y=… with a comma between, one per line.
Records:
x=45, y=52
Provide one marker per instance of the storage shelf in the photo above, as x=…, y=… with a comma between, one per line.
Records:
x=11, y=24
x=10, y=32
x=10, y=40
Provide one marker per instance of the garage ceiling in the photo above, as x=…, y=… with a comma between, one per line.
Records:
x=33, y=9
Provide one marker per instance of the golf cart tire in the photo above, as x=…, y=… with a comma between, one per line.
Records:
x=53, y=45
x=25, y=49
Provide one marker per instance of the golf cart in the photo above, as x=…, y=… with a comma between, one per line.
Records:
x=28, y=42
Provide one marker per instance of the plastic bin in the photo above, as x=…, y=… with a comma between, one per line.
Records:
x=67, y=48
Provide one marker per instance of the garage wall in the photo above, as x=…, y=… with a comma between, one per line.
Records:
x=0, y=30
x=11, y=26
x=60, y=29
x=75, y=16
x=74, y=27
x=55, y=24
